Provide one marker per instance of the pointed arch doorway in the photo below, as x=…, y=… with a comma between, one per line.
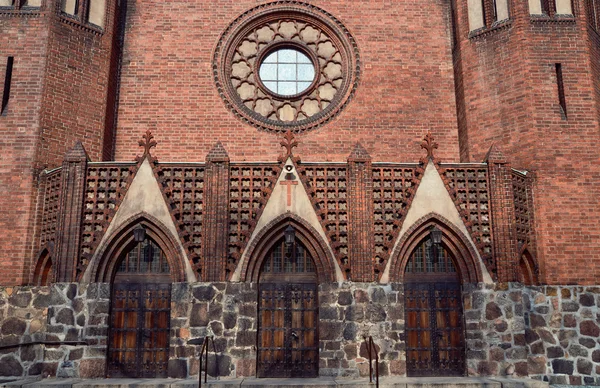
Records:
x=288, y=311
x=140, y=312
x=435, y=343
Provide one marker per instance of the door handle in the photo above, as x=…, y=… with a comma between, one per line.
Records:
x=294, y=335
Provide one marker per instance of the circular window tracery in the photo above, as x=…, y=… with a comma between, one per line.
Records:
x=286, y=65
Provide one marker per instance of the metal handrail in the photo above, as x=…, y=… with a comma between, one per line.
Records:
x=54, y=343
x=372, y=349
x=205, y=345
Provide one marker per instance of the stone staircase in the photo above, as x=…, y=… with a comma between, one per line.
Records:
x=322, y=382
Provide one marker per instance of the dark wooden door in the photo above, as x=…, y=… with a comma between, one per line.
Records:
x=288, y=314
x=433, y=315
x=139, y=337
x=140, y=316
x=288, y=345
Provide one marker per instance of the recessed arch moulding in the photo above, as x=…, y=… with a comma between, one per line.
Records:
x=432, y=205
x=143, y=204
x=282, y=209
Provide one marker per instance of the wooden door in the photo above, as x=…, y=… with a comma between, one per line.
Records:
x=433, y=315
x=140, y=315
x=288, y=315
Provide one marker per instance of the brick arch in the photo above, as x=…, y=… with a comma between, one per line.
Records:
x=43, y=272
x=527, y=268
x=104, y=263
x=463, y=252
x=272, y=232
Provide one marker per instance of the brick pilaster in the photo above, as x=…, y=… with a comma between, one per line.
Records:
x=360, y=216
x=215, y=234
x=70, y=213
x=504, y=230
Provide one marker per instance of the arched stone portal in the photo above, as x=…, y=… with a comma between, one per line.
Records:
x=435, y=344
x=288, y=344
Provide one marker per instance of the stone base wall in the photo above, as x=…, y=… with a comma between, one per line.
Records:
x=349, y=313
x=563, y=333
x=23, y=318
x=550, y=333
x=495, y=329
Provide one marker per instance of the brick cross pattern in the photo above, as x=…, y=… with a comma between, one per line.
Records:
x=289, y=185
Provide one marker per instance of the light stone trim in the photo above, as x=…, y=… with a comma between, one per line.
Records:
x=432, y=197
x=143, y=197
x=301, y=206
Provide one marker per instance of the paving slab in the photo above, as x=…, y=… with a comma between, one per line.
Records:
x=18, y=382
x=321, y=382
x=193, y=383
x=124, y=383
x=54, y=383
x=520, y=383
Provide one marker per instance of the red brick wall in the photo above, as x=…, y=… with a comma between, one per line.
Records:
x=406, y=86
x=76, y=91
x=24, y=38
x=58, y=96
x=511, y=98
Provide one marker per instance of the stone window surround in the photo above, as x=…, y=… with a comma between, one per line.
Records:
x=81, y=14
x=275, y=14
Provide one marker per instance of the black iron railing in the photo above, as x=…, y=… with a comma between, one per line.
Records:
x=204, y=353
x=372, y=350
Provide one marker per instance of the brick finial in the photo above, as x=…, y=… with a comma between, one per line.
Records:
x=429, y=144
x=359, y=153
x=76, y=153
x=217, y=153
x=148, y=143
x=289, y=142
x=495, y=155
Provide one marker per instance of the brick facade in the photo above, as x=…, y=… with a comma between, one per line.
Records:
x=517, y=173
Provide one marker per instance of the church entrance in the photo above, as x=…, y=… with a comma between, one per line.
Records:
x=140, y=314
x=433, y=314
x=287, y=313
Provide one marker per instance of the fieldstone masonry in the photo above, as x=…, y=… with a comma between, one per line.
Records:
x=549, y=333
x=495, y=329
x=349, y=313
x=563, y=333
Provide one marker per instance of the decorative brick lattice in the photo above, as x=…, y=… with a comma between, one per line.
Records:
x=523, y=212
x=468, y=187
x=393, y=190
x=327, y=189
x=183, y=187
x=250, y=189
x=50, y=207
x=105, y=187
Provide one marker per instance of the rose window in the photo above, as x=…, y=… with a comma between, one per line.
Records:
x=283, y=67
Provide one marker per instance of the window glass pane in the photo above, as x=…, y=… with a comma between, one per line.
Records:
x=475, y=14
x=33, y=3
x=501, y=10
x=277, y=260
x=271, y=58
x=69, y=6
x=306, y=73
x=271, y=85
x=287, y=88
x=563, y=7
x=268, y=72
x=287, y=72
x=133, y=259
x=535, y=7
x=288, y=264
x=97, y=12
x=287, y=56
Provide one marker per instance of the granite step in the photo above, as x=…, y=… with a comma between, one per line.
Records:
x=322, y=382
